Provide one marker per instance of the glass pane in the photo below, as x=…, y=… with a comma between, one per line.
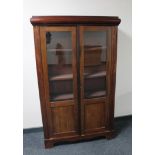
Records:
x=59, y=60
x=95, y=53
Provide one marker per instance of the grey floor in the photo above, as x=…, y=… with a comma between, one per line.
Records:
x=120, y=145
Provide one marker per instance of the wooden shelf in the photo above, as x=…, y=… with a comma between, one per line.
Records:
x=95, y=75
x=62, y=77
x=95, y=94
x=103, y=63
x=70, y=76
x=61, y=50
x=62, y=97
x=94, y=48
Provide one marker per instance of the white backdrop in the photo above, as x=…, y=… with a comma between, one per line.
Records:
x=121, y=8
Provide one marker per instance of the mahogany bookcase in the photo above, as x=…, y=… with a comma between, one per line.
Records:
x=76, y=67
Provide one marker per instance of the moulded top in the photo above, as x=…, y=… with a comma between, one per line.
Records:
x=51, y=20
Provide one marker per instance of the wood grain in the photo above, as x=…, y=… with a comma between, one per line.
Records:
x=94, y=116
x=63, y=119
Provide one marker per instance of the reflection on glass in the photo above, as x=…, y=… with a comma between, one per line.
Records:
x=59, y=60
x=95, y=51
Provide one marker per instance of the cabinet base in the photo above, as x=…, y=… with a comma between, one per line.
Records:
x=49, y=143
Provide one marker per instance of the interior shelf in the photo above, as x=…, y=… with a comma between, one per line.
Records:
x=94, y=48
x=95, y=75
x=101, y=64
x=70, y=76
x=62, y=77
x=62, y=97
x=61, y=50
x=95, y=94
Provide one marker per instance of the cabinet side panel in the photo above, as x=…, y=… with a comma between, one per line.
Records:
x=40, y=79
x=112, y=68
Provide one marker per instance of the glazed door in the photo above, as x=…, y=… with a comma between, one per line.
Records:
x=94, y=61
x=59, y=61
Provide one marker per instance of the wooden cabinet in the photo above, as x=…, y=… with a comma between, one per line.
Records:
x=76, y=67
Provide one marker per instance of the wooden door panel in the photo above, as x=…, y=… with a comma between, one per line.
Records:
x=63, y=119
x=94, y=115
